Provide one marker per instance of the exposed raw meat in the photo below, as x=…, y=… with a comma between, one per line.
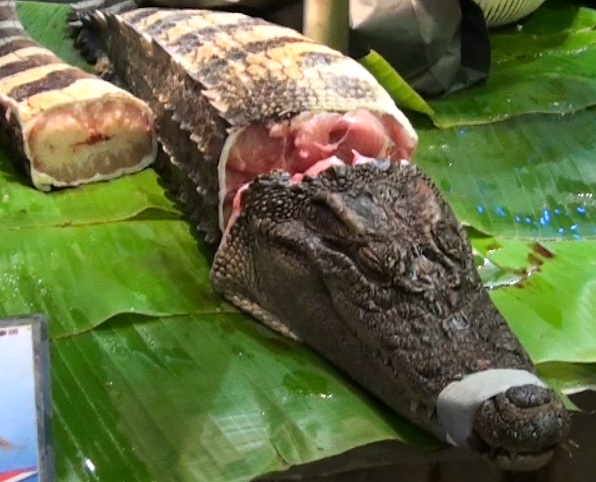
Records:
x=298, y=145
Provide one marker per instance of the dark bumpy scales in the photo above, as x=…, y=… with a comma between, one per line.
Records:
x=199, y=45
x=497, y=427
x=369, y=266
x=396, y=252
x=191, y=41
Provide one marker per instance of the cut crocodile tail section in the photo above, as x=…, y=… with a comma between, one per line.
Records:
x=68, y=127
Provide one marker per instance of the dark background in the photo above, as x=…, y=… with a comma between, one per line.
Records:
x=574, y=463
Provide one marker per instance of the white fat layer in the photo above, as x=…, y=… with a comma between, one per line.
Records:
x=400, y=117
x=233, y=134
x=458, y=401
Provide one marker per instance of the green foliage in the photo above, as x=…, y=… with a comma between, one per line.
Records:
x=156, y=378
x=405, y=97
x=212, y=397
x=545, y=66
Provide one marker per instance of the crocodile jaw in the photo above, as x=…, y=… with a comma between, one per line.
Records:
x=368, y=265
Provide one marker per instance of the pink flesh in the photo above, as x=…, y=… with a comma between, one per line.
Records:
x=307, y=145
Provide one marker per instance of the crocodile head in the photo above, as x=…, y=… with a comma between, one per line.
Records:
x=368, y=265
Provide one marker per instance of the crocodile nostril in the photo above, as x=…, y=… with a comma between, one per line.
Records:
x=526, y=419
x=529, y=396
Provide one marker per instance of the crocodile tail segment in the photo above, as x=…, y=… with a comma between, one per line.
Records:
x=66, y=126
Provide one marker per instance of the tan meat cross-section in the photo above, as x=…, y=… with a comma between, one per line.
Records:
x=68, y=127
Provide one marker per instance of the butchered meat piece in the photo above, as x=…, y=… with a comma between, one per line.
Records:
x=67, y=127
x=298, y=144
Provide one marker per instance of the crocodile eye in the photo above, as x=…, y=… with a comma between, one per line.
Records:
x=325, y=221
x=369, y=258
x=329, y=214
x=371, y=264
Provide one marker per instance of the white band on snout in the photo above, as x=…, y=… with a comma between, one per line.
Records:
x=458, y=401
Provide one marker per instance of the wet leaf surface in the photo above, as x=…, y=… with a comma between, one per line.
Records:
x=531, y=176
x=545, y=66
x=155, y=378
x=83, y=276
x=138, y=195
x=547, y=294
x=210, y=397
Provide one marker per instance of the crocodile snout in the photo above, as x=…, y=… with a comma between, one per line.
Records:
x=520, y=427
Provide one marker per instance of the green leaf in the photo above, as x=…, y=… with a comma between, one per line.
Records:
x=82, y=276
x=531, y=176
x=561, y=300
x=22, y=206
x=569, y=377
x=46, y=23
x=209, y=397
x=549, y=67
x=547, y=292
x=558, y=16
x=549, y=297
x=398, y=88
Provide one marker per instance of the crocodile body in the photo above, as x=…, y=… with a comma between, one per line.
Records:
x=361, y=259
x=208, y=75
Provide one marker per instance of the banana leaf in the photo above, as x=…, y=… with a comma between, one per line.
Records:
x=82, y=276
x=548, y=69
x=547, y=292
x=211, y=397
x=156, y=378
x=140, y=195
x=530, y=176
x=545, y=65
